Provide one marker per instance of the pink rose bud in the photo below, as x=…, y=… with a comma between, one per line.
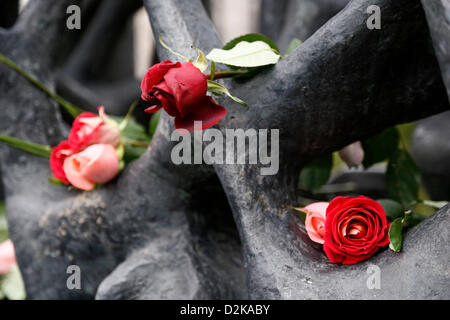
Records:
x=109, y=132
x=95, y=164
x=315, y=221
x=88, y=129
x=353, y=154
x=7, y=256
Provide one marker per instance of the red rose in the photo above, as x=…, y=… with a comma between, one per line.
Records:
x=89, y=128
x=181, y=90
x=57, y=157
x=355, y=228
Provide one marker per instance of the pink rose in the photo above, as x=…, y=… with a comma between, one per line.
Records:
x=315, y=221
x=7, y=256
x=353, y=154
x=95, y=164
x=88, y=129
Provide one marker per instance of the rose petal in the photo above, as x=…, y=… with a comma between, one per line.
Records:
x=96, y=164
x=206, y=111
x=57, y=158
x=354, y=229
x=188, y=86
x=73, y=167
x=103, y=163
x=315, y=221
x=84, y=128
x=154, y=75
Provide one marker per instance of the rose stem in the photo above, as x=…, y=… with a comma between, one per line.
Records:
x=70, y=108
x=226, y=74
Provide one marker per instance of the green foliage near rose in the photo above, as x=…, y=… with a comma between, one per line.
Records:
x=406, y=205
x=246, y=55
x=316, y=173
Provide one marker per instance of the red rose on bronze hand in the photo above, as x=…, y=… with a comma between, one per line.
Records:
x=355, y=228
x=181, y=90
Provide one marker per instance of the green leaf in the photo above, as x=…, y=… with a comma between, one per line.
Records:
x=403, y=178
x=251, y=37
x=201, y=63
x=3, y=223
x=170, y=49
x=245, y=54
x=154, y=123
x=392, y=208
x=395, y=235
x=217, y=89
x=294, y=44
x=380, y=147
x=406, y=131
x=12, y=285
x=133, y=152
x=136, y=131
x=135, y=138
x=423, y=210
x=33, y=148
x=133, y=130
x=316, y=173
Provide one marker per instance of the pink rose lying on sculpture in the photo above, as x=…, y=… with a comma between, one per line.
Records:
x=89, y=157
x=97, y=163
x=7, y=256
x=315, y=221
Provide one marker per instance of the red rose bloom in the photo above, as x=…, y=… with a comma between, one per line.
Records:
x=181, y=90
x=57, y=157
x=355, y=228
